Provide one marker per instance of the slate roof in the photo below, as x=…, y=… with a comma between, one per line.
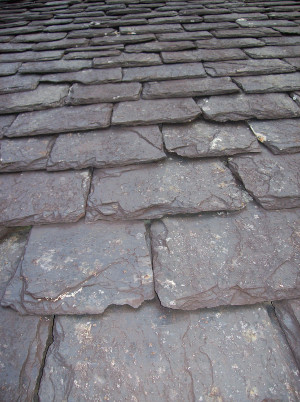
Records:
x=150, y=200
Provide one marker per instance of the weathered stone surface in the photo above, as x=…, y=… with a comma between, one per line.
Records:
x=31, y=56
x=109, y=147
x=243, y=107
x=228, y=43
x=39, y=37
x=90, y=54
x=61, y=120
x=128, y=60
x=64, y=277
x=289, y=30
x=270, y=83
x=175, y=355
x=9, y=68
x=294, y=61
x=88, y=76
x=203, y=139
x=160, y=47
x=188, y=87
x=245, y=33
x=169, y=187
x=204, y=26
x=155, y=111
x=54, y=66
x=226, y=259
x=111, y=40
x=273, y=180
x=18, y=83
x=24, y=154
x=43, y=197
x=14, y=47
x=5, y=122
x=58, y=44
x=255, y=24
x=90, y=33
x=273, y=52
x=142, y=29
x=247, y=67
x=203, y=55
x=170, y=37
x=282, y=41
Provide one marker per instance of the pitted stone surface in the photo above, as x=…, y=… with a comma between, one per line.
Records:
x=61, y=120
x=18, y=83
x=55, y=66
x=273, y=180
x=270, y=83
x=82, y=269
x=42, y=197
x=203, y=139
x=175, y=355
x=128, y=60
x=88, y=76
x=243, y=107
x=280, y=136
x=202, y=55
x=169, y=187
x=115, y=146
x=220, y=259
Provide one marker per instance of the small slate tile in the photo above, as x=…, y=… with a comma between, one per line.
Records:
x=18, y=83
x=55, y=66
x=39, y=37
x=59, y=44
x=169, y=353
x=14, y=47
x=168, y=37
x=88, y=76
x=226, y=259
x=244, y=107
x=269, y=23
x=228, y=43
x=31, y=56
x=282, y=41
x=160, y=47
x=245, y=33
x=9, y=68
x=176, y=19
x=142, y=29
x=5, y=122
x=115, y=146
x=90, y=33
x=273, y=180
x=205, y=139
x=273, y=52
x=155, y=111
x=205, y=26
x=289, y=30
x=128, y=60
x=169, y=187
x=112, y=40
x=42, y=197
x=90, y=54
x=270, y=83
x=294, y=61
x=105, y=263
x=202, y=55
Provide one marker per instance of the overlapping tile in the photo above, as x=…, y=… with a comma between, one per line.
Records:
x=88, y=76
x=128, y=60
x=18, y=83
x=270, y=83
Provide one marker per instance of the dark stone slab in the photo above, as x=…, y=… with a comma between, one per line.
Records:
x=247, y=67
x=61, y=120
x=31, y=56
x=14, y=47
x=59, y=44
x=5, y=122
x=24, y=154
x=55, y=66
x=18, y=83
x=128, y=60
x=205, y=26
x=169, y=187
x=39, y=37
x=202, y=55
x=282, y=41
x=175, y=355
x=170, y=37
x=176, y=19
x=271, y=24
x=160, y=47
x=143, y=29
x=273, y=52
x=88, y=76
x=82, y=269
x=244, y=107
x=270, y=83
x=155, y=111
x=204, y=139
x=294, y=61
x=228, y=43
x=90, y=54
x=273, y=180
x=188, y=87
x=226, y=259
x=42, y=197
x=111, y=40
x=245, y=33
x=9, y=68
x=289, y=30
x=109, y=147
x=90, y=33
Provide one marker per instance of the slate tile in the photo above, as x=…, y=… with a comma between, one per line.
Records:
x=90, y=33
x=87, y=76
x=176, y=19
x=4, y=39
x=282, y=41
x=168, y=37
x=160, y=47
x=90, y=54
x=42, y=197
x=9, y=68
x=205, y=26
x=273, y=52
x=289, y=30
x=59, y=44
x=202, y=55
x=205, y=139
x=31, y=56
x=155, y=111
x=280, y=136
x=273, y=180
x=244, y=107
x=245, y=33
x=115, y=146
x=269, y=83
x=169, y=187
x=14, y=47
x=142, y=29
x=55, y=66
x=18, y=83
x=247, y=67
x=111, y=40
x=169, y=352
x=128, y=60
x=269, y=23
x=39, y=37
x=188, y=87
x=215, y=43
x=5, y=122
x=226, y=259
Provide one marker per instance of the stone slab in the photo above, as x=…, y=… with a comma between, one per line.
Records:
x=128, y=60
x=5, y=122
x=280, y=136
x=243, y=107
x=289, y=30
x=205, y=139
x=56, y=45
x=273, y=180
x=31, y=56
x=205, y=26
x=90, y=54
x=202, y=55
x=166, y=37
x=282, y=41
x=39, y=37
x=270, y=83
x=273, y=23
x=169, y=187
x=18, y=83
x=142, y=29
x=155, y=111
x=88, y=76
x=158, y=354
x=215, y=43
x=42, y=197
x=124, y=39
x=14, y=47
x=294, y=61
x=245, y=33
x=9, y=68
x=160, y=46
x=61, y=120
x=226, y=259
x=115, y=146
x=268, y=52
x=54, y=66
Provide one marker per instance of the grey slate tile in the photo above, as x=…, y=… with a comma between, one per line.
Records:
x=128, y=60
x=170, y=37
x=273, y=52
x=269, y=83
x=205, y=26
x=202, y=55
x=289, y=30
x=282, y=41
x=142, y=29
x=31, y=56
x=55, y=66
x=269, y=23
x=160, y=47
x=111, y=40
x=5, y=122
x=39, y=37
x=215, y=43
x=90, y=54
x=14, y=47
x=294, y=61
x=9, y=68
x=245, y=33
x=88, y=76
x=18, y=83
x=59, y=44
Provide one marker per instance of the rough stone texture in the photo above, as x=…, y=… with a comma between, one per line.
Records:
x=289, y=30
x=282, y=41
x=5, y=122
x=9, y=68
x=14, y=47
x=270, y=83
x=43, y=97
x=294, y=61
x=128, y=60
x=280, y=136
x=184, y=36
x=141, y=29
x=273, y=23
x=273, y=180
x=32, y=56
x=245, y=33
x=203, y=55
x=247, y=67
x=24, y=154
x=228, y=43
x=158, y=354
x=18, y=83
x=60, y=120
x=188, y=87
x=160, y=47
x=204, y=139
x=170, y=187
x=39, y=37
x=155, y=111
x=42, y=197
x=88, y=76
x=58, y=44
x=90, y=54
x=79, y=269
x=273, y=52
x=55, y=66
x=226, y=259
x=111, y=40
x=204, y=26
x=243, y=107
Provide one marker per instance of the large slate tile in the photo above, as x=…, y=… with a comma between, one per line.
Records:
x=273, y=52
x=115, y=146
x=271, y=24
x=80, y=269
x=43, y=197
x=243, y=107
x=205, y=26
x=18, y=83
x=269, y=83
x=142, y=29
x=273, y=180
x=205, y=139
x=9, y=68
x=202, y=55
x=54, y=66
x=169, y=187
x=280, y=136
x=282, y=41
x=39, y=37
x=158, y=354
x=90, y=54
x=14, y=47
x=88, y=76
x=226, y=259
x=112, y=40
x=215, y=43
x=171, y=37
x=56, y=45
x=60, y=120
x=32, y=56
x=128, y=60
x=245, y=33
x=160, y=47
x=289, y=30
x=155, y=111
